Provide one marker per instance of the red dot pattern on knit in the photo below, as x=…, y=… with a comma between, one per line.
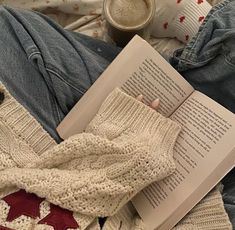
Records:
x=28, y=204
x=4, y=228
x=183, y=18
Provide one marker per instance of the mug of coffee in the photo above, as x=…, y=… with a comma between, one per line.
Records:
x=125, y=18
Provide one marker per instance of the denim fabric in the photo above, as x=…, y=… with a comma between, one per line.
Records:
x=208, y=63
x=45, y=67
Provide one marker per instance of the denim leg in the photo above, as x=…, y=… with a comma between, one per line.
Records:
x=208, y=63
x=46, y=68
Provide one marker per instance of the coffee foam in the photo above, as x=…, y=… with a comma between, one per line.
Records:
x=129, y=13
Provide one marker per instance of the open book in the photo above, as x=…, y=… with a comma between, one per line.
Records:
x=205, y=149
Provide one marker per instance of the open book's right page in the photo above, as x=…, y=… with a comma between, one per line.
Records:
x=203, y=154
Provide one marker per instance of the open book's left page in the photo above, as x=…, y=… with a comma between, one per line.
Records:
x=138, y=69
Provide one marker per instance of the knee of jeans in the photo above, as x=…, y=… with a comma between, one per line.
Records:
x=3, y=9
x=4, y=16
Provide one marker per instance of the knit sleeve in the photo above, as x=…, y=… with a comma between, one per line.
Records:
x=127, y=146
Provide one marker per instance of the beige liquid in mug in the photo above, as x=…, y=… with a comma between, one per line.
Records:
x=129, y=13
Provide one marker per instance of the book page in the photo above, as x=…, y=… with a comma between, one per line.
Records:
x=138, y=69
x=153, y=81
x=203, y=153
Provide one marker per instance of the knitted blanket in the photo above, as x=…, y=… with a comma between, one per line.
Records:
x=126, y=147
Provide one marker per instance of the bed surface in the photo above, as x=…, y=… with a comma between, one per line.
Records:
x=85, y=16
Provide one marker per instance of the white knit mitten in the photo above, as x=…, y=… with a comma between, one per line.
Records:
x=179, y=18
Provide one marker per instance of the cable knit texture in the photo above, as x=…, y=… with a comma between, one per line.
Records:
x=21, y=137
x=126, y=147
x=97, y=173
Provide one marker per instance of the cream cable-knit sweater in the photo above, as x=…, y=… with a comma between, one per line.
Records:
x=126, y=146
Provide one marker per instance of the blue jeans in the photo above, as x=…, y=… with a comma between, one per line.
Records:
x=45, y=67
x=48, y=69
x=208, y=63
